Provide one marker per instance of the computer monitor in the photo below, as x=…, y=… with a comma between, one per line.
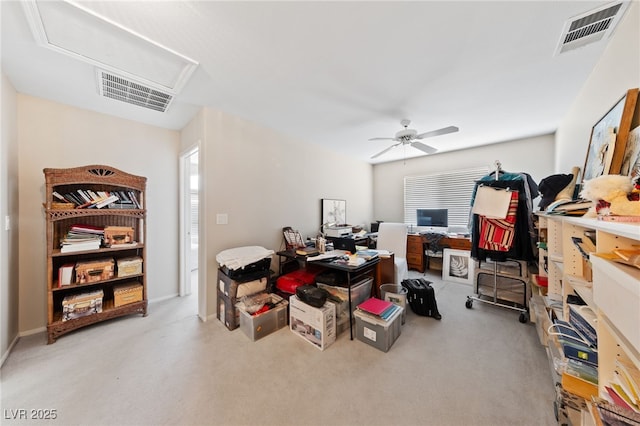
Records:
x=433, y=218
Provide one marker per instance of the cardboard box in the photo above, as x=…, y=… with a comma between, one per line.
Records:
x=260, y=325
x=125, y=293
x=227, y=312
x=235, y=289
x=114, y=235
x=315, y=325
x=94, y=270
x=129, y=266
x=82, y=305
x=377, y=332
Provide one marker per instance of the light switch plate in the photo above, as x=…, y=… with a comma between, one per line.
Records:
x=222, y=219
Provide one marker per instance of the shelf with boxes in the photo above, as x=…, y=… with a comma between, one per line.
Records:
x=597, y=297
x=95, y=251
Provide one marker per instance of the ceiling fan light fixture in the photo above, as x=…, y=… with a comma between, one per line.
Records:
x=411, y=137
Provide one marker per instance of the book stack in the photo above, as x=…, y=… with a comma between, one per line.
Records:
x=367, y=254
x=570, y=207
x=378, y=308
x=82, y=237
x=307, y=251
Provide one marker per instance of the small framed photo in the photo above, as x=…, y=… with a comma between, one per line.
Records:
x=457, y=266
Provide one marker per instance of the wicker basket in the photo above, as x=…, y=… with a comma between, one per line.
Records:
x=62, y=206
x=124, y=294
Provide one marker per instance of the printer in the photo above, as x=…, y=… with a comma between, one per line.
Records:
x=337, y=231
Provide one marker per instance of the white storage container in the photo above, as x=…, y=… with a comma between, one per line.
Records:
x=617, y=294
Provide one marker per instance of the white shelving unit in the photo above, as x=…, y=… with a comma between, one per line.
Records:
x=610, y=289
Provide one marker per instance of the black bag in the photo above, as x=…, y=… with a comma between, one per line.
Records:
x=421, y=297
x=312, y=295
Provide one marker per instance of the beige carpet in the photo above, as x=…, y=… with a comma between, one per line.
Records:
x=477, y=366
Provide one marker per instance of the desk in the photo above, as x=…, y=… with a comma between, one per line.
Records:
x=418, y=243
x=353, y=273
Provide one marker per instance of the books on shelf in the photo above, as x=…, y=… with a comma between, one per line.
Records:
x=65, y=274
x=90, y=199
x=81, y=237
x=71, y=246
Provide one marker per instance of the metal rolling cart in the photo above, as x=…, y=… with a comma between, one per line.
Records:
x=503, y=284
x=503, y=244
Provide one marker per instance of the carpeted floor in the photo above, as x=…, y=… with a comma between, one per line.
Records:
x=477, y=366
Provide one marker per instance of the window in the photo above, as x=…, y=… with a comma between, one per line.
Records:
x=446, y=190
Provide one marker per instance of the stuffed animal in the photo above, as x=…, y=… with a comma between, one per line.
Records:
x=610, y=194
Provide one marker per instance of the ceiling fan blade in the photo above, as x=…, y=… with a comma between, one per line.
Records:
x=382, y=139
x=443, y=131
x=425, y=148
x=384, y=150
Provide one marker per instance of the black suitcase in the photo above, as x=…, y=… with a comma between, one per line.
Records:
x=421, y=297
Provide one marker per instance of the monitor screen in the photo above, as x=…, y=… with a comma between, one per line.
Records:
x=433, y=217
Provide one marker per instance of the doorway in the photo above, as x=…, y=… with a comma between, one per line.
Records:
x=189, y=229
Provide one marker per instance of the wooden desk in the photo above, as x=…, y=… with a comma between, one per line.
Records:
x=418, y=243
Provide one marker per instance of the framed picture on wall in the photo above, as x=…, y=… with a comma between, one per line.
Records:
x=631, y=160
x=334, y=212
x=609, y=136
x=457, y=266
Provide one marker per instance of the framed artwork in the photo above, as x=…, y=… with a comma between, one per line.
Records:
x=334, y=212
x=609, y=135
x=631, y=160
x=457, y=266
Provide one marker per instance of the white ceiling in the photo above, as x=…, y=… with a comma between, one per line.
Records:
x=338, y=73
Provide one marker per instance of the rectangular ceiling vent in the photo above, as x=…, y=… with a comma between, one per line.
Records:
x=125, y=90
x=590, y=27
x=75, y=30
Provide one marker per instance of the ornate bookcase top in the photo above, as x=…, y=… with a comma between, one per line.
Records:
x=94, y=174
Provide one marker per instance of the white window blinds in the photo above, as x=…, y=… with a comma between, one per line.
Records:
x=450, y=190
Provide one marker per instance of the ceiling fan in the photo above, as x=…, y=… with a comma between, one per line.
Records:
x=411, y=137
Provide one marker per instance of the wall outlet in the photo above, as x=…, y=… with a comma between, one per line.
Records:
x=7, y=223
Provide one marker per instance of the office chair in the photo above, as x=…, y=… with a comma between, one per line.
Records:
x=393, y=237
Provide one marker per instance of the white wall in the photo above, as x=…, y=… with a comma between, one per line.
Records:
x=57, y=136
x=8, y=208
x=617, y=71
x=532, y=155
x=264, y=181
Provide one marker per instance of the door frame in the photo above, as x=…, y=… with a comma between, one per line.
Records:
x=185, y=221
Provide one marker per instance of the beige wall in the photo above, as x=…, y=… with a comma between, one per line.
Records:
x=8, y=208
x=617, y=71
x=265, y=181
x=531, y=155
x=58, y=136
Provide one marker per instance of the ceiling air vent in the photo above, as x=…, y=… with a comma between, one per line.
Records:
x=590, y=27
x=125, y=90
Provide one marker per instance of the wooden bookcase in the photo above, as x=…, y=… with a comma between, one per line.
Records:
x=59, y=219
